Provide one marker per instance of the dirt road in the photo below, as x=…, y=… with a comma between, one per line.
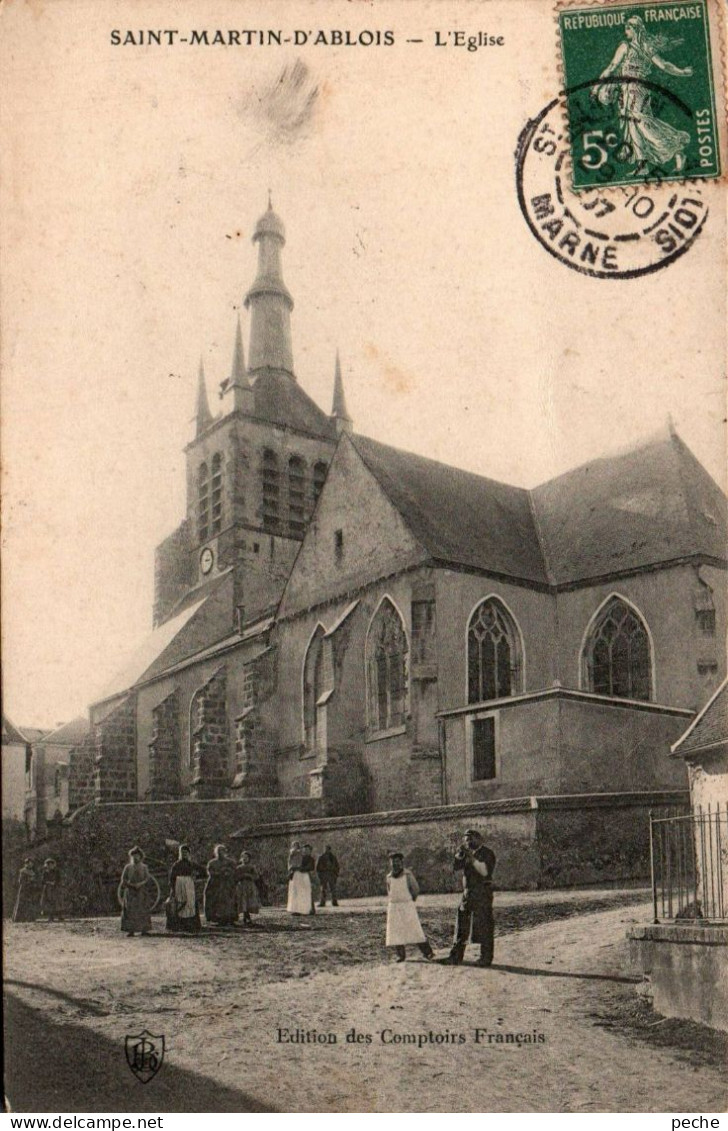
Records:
x=258, y=1020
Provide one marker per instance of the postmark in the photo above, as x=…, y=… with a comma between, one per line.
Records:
x=623, y=232
x=641, y=103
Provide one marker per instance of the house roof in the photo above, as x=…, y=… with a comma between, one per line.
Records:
x=708, y=729
x=12, y=735
x=647, y=506
x=459, y=517
x=69, y=734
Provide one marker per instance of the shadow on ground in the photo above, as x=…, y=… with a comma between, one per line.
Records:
x=85, y=1072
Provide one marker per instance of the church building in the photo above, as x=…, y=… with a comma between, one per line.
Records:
x=339, y=619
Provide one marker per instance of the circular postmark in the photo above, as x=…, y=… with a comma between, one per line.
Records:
x=606, y=232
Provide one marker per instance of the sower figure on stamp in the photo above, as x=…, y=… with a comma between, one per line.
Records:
x=475, y=914
x=327, y=869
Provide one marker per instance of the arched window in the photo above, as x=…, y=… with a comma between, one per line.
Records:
x=216, y=494
x=495, y=666
x=386, y=654
x=313, y=671
x=203, y=503
x=319, y=478
x=617, y=653
x=270, y=484
x=296, y=497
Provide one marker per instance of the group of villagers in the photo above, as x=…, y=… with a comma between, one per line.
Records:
x=40, y=892
x=232, y=892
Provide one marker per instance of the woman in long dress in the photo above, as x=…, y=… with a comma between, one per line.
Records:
x=299, y=883
x=219, y=899
x=137, y=895
x=247, y=891
x=51, y=896
x=403, y=922
x=183, y=914
x=27, y=903
x=649, y=139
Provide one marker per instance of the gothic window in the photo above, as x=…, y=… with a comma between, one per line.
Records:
x=617, y=653
x=705, y=609
x=313, y=669
x=319, y=478
x=203, y=503
x=270, y=484
x=494, y=653
x=296, y=497
x=216, y=494
x=386, y=659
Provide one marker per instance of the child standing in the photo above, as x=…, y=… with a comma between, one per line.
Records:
x=403, y=922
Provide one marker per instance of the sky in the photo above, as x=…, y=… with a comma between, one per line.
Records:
x=132, y=180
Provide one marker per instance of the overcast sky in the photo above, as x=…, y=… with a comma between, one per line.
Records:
x=133, y=178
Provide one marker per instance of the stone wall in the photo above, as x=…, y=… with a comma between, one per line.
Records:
x=165, y=751
x=687, y=970
x=115, y=769
x=81, y=773
x=539, y=842
x=95, y=840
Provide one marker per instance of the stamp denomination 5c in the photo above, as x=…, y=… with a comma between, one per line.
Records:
x=641, y=94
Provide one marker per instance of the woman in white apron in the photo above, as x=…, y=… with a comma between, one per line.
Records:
x=403, y=922
x=299, y=883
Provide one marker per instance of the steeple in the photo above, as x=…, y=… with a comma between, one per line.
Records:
x=269, y=302
x=204, y=416
x=236, y=390
x=339, y=415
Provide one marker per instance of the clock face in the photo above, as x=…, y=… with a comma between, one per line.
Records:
x=206, y=560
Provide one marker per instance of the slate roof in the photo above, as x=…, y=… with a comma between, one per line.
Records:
x=709, y=728
x=281, y=400
x=69, y=734
x=460, y=518
x=12, y=735
x=650, y=505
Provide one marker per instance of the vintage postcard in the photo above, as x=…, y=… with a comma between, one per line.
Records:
x=365, y=716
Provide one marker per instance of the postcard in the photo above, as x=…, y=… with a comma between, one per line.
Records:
x=364, y=589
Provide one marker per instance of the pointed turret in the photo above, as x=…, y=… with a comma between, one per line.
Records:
x=237, y=391
x=204, y=416
x=339, y=414
x=269, y=302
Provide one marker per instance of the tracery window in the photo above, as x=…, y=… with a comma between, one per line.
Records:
x=216, y=494
x=617, y=653
x=296, y=497
x=203, y=503
x=313, y=670
x=386, y=659
x=270, y=484
x=494, y=653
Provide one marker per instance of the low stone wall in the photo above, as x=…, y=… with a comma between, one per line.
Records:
x=687, y=967
x=540, y=842
x=96, y=839
x=428, y=839
x=600, y=837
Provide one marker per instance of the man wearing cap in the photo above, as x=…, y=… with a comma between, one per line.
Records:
x=475, y=914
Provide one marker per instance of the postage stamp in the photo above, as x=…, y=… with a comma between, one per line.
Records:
x=641, y=99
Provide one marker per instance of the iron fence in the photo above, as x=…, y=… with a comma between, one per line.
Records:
x=690, y=865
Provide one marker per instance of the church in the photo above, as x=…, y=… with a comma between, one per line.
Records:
x=340, y=620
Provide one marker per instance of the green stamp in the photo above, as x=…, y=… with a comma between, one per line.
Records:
x=639, y=93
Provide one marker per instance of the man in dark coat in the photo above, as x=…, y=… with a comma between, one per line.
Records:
x=475, y=914
x=327, y=869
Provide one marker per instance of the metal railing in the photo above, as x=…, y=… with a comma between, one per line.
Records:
x=690, y=865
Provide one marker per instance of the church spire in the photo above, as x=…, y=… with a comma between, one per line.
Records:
x=236, y=390
x=339, y=414
x=204, y=416
x=239, y=374
x=269, y=301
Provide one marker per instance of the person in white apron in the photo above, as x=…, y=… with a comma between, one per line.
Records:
x=299, y=883
x=403, y=922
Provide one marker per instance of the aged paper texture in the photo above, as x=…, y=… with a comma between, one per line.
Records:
x=364, y=534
